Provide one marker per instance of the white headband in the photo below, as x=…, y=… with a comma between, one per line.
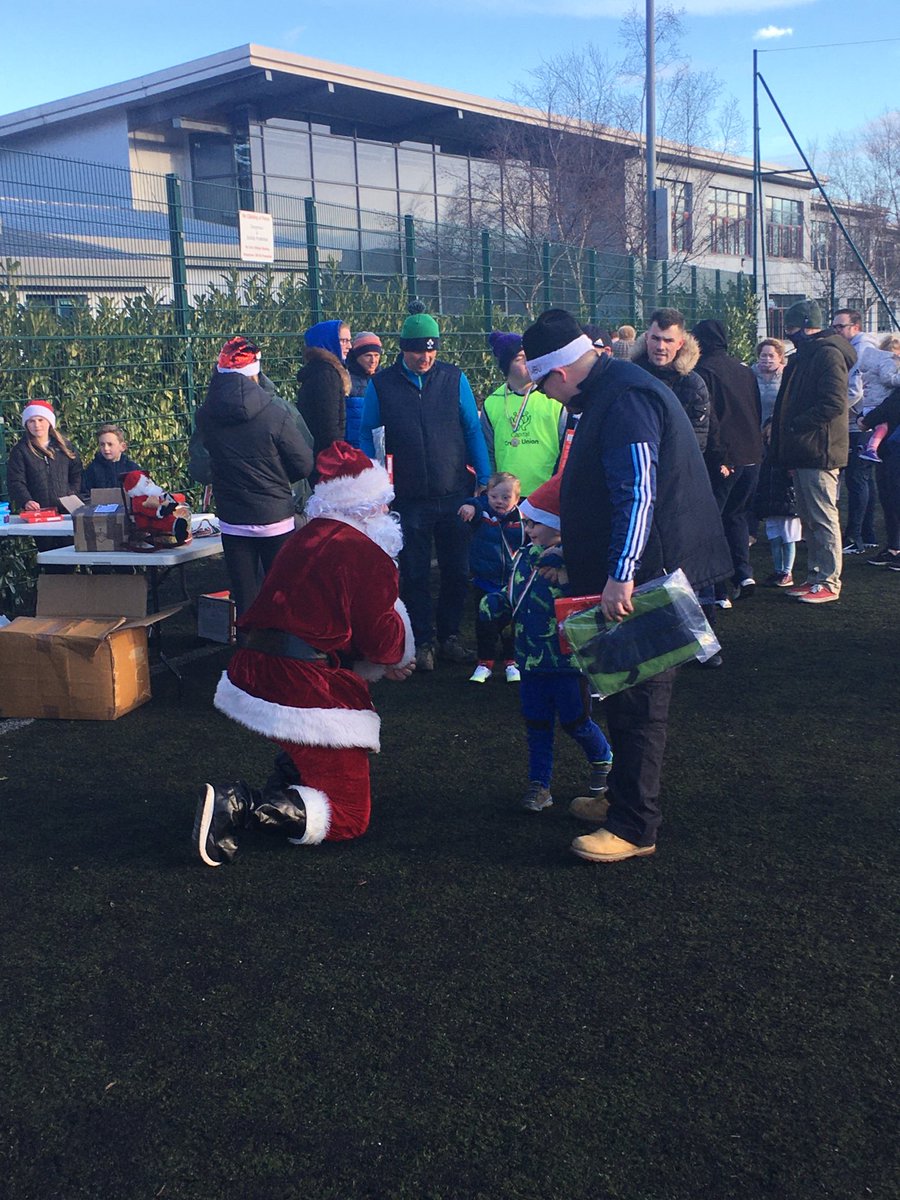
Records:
x=563, y=357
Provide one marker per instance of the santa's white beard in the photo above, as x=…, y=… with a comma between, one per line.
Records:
x=384, y=530
x=145, y=488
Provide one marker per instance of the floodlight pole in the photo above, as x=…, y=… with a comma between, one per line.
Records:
x=650, y=89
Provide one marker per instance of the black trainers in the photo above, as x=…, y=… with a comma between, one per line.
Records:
x=884, y=559
x=222, y=810
x=452, y=650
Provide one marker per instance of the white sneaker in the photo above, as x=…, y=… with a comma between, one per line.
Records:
x=726, y=603
x=481, y=674
x=513, y=675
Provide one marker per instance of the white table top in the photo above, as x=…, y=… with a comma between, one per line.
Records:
x=64, y=527
x=202, y=547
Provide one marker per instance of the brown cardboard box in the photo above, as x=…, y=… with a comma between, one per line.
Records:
x=102, y=525
x=84, y=656
x=216, y=616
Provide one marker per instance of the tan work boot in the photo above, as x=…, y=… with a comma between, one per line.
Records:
x=604, y=846
x=590, y=808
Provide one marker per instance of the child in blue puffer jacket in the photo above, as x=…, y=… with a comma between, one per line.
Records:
x=551, y=687
x=497, y=537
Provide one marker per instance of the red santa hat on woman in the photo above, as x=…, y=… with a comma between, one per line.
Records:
x=543, y=503
x=38, y=408
x=350, y=484
x=239, y=356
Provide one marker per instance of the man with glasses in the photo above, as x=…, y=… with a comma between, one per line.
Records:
x=859, y=477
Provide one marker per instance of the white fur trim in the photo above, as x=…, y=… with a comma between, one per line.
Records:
x=353, y=493
x=564, y=356
x=341, y=728
x=318, y=815
x=39, y=409
x=250, y=369
x=372, y=671
x=533, y=513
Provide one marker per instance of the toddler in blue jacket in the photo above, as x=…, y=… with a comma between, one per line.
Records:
x=551, y=687
x=497, y=537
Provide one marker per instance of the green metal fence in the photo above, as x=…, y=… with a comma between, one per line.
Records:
x=117, y=287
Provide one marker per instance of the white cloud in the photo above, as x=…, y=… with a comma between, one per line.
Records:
x=292, y=36
x=772, y=31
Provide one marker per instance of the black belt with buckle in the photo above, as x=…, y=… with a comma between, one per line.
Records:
x=283, y=645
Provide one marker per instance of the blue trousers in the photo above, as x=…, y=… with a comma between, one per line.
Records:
x=859, y=480
x=544, y=696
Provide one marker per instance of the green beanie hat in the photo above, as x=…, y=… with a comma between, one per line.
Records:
x=805, y=314
x=420, y=330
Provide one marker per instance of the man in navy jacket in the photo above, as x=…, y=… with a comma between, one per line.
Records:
x=636, y=503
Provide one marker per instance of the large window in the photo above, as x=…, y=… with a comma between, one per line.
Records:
x=682, y=204
x=214, y=178
x=729, y=220
x=784, y=228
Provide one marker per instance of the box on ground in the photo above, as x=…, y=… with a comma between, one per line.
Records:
x=101, y=526
x=216, y=616
x=84, y=656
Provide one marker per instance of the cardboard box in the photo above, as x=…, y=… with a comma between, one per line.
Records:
x=101, y=526
x=216, y=616
x=84, y=656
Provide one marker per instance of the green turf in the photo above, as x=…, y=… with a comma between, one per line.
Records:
x=455, y=1006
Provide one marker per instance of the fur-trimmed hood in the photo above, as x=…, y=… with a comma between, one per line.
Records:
x=683, y=363
x=315, y=359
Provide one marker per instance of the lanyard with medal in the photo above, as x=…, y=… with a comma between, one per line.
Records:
x=515, y=421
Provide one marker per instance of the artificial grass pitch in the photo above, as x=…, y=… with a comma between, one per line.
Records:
x=454, y=1006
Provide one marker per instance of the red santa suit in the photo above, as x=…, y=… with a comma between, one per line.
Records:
x=332, y=592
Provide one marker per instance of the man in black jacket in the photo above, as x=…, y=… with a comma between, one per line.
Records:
x=736, y=452
x=810, y=437
x=635, y=504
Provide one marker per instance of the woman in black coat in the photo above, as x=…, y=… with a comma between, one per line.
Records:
x=43, y=465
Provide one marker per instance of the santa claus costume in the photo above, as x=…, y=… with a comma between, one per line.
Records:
x=161, y=520
x=327, y=620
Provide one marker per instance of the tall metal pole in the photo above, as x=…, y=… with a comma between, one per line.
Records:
x=756, y=171
x=650, y=88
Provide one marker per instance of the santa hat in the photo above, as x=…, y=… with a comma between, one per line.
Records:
x=139, y=483
x=543, y=503
x=555, y=340
x=350, y=484
x=239, y=356
x=420, y=330
x=38, y=408
x=505, y=347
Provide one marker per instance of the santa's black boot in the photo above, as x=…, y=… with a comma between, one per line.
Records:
x=281, y=810
x=223, y=809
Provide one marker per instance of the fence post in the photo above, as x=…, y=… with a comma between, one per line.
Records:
x=665, y=284
x=631, y=281
x=718, y=292
x=487, y=281
x=694, y=294
x=409, y=237
x=592, y=284
x=313, y=280
x=179, y=283
x=547, y=288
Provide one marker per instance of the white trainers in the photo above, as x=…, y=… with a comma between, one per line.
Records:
x=481, y=674
x=513, y=675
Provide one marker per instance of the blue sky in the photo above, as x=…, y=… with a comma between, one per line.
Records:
x=480, y=46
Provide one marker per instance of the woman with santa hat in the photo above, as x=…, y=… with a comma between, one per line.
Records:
x=255, y=452
x=328, y=619
x=43, y=465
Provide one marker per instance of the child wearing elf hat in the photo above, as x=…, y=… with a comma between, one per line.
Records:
x=550, y=686
x=43, y=465
x=326, y=622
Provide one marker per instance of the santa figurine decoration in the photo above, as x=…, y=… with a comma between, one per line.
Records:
x=161, y=520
